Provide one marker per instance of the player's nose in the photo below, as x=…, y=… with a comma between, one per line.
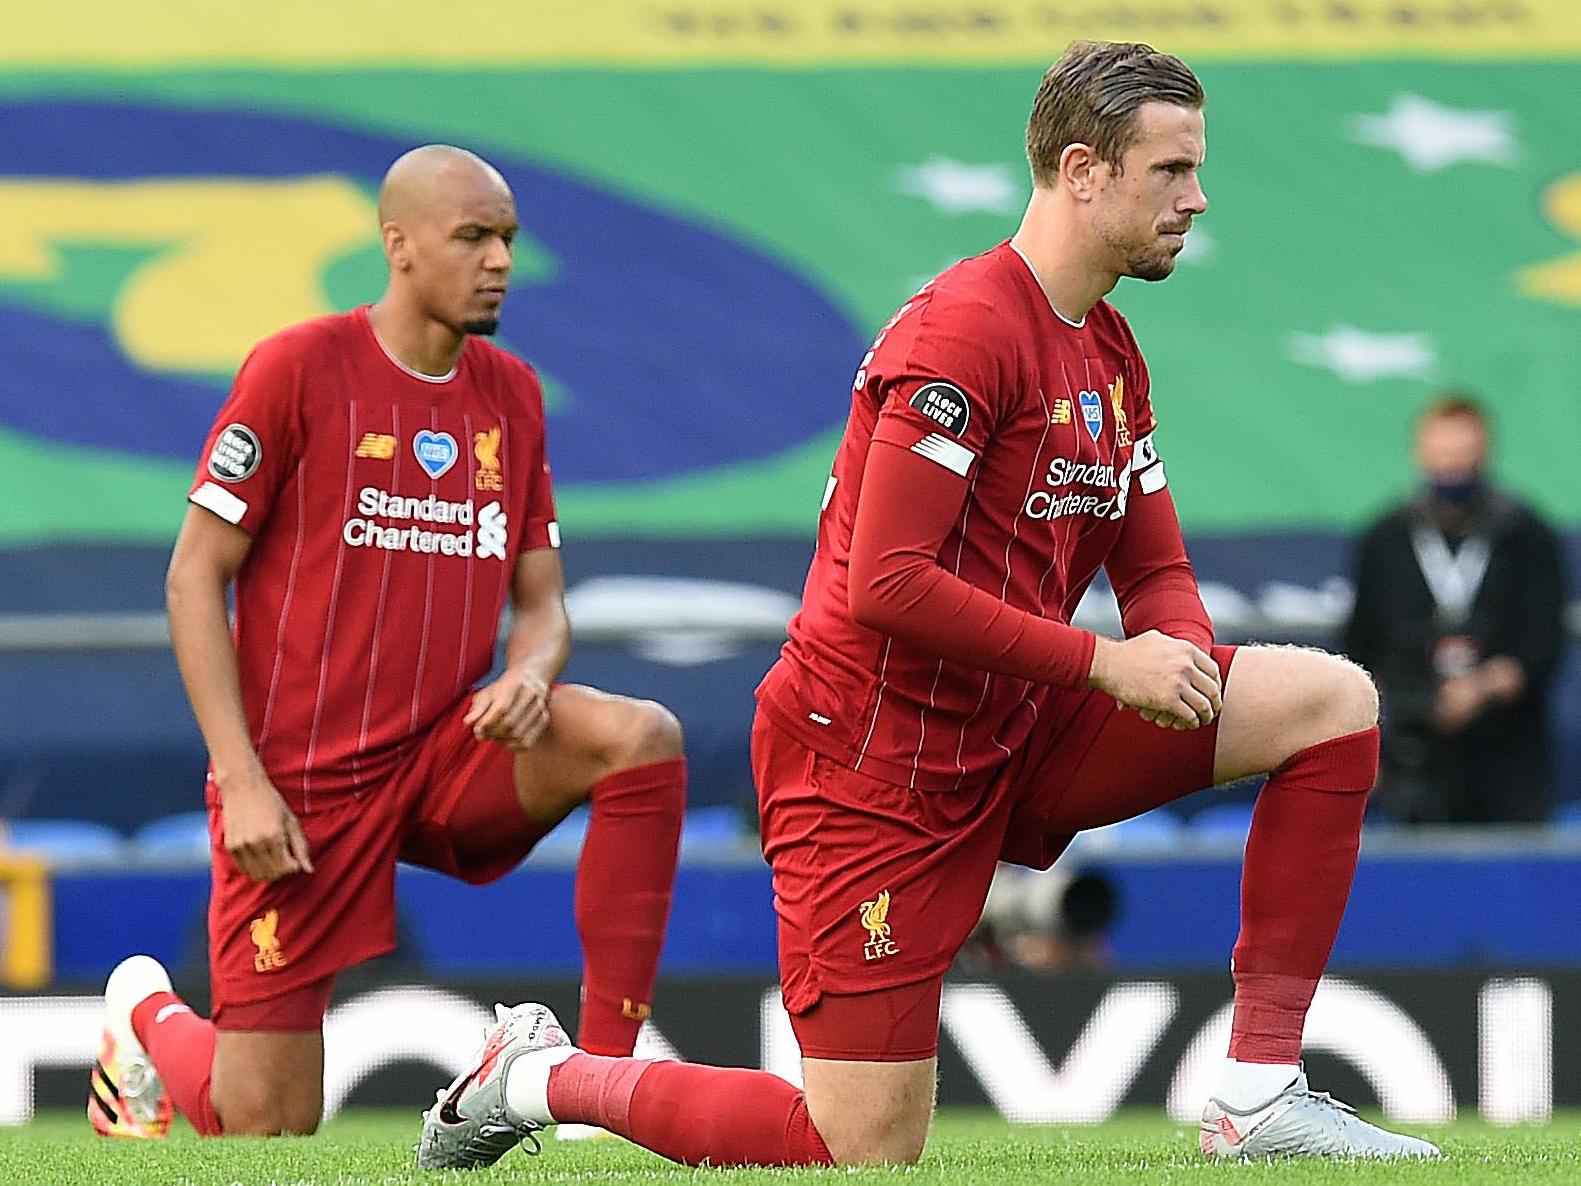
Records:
x=498, y=257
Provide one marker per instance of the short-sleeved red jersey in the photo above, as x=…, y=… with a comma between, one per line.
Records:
x=1049, y=427
x=387, y=510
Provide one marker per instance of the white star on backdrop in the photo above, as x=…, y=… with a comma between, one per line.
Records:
x=1199, y=248
x=1431, y=137
x=954, y=187
x=1357, y=356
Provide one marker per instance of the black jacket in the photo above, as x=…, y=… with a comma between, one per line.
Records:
x=1497, y=768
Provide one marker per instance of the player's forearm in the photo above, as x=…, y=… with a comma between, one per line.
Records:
x=206, y=656
x=925, y=607
x=1152, y=576
x=1169, y=602
x=539, y=643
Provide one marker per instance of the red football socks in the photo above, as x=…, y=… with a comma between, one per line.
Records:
x=181, y=1046
x=623, y=886
x=689, y=1113
x=1300, y=858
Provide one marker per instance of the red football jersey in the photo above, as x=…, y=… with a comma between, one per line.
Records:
x=1047, y=428
x=387, y=510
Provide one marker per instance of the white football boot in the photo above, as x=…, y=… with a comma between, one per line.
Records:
x=472, y=1123
x=125, y=1096
x=1300, y=1122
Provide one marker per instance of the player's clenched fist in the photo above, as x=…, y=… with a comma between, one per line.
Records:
x=513, y=710
x=261, y=833
x=1171, y=682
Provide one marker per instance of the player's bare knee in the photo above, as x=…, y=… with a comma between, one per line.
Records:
x=649, y=733
x=890, y=1132
x=261, y=1108
x=1348, y=697
x=250, y=1114
x=874, y=1144
x=301, y=1117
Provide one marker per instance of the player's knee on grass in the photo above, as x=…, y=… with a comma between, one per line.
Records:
x=268, y=1084
x=876, y=1135
x=269, y=1109
x=871, y=1113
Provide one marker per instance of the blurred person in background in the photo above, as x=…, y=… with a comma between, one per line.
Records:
x=1459, y=616
x=376, y=490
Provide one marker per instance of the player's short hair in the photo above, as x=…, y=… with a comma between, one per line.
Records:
x=1092, y=94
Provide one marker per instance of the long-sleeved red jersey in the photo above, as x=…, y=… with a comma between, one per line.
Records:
x=996, y=455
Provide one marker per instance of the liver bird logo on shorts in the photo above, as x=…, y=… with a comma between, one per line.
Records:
x=262, y=930
x=874, y=916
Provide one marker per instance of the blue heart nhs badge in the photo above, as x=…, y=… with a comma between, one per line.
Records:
x=1092, y=413
x=436, y=451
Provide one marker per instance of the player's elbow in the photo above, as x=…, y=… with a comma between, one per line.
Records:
x=872, y=607
x=882, y=594
x=187, y=580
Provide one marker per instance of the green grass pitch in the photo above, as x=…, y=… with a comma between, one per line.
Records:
x=373, y=1148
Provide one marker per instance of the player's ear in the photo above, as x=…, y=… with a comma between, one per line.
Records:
x=395, y=247
x=1078, y=170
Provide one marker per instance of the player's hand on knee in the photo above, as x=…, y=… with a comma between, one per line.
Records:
x=262, y=834
x=513, y=710
x=1172, y=683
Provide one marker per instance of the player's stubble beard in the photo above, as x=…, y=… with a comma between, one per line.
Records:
x=1141, y=259
x=1153, y=267
x=485, y=327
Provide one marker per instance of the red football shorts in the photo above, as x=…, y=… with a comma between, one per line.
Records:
x=451, y=806
x=877, y=885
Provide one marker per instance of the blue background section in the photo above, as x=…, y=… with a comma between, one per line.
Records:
x=629, y=283
x=1405, y=912
x=109, y=736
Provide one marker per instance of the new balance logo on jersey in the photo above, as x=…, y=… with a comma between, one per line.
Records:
x=1061, y=413
x=491, y=532
x=378, y=445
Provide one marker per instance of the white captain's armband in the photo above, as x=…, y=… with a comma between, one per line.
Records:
x=1146, y=466
x=219, y=500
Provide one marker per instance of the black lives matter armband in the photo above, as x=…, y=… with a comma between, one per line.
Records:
x=944, y=404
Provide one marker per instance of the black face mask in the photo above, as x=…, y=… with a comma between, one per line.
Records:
x=1457, y=493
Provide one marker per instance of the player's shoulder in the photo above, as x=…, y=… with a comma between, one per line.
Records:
x=306, y=340
x=501, y=369
x=1109, y=322
x=966, y=316
x=980, y=291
